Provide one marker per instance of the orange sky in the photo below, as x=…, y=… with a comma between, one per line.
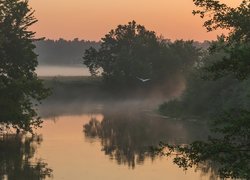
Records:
x=92, y=19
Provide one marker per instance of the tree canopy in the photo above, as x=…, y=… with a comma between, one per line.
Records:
x=236, y=44
x=20, y=87
x=227, y=62
x=131, y=51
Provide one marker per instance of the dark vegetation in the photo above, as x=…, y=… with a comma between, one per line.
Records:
x=218, y=89
x=20, y=92
x=85, y=92
x=205, y=97
x=70, y=89
x=62, y=52
x=20, y=87
x=130, y=52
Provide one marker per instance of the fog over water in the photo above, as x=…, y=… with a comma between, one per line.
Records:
x=110, y=140
x=46, y=70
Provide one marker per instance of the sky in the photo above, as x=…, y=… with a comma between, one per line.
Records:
x=92, y=19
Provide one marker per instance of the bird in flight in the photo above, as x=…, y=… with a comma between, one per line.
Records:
x=143, y=80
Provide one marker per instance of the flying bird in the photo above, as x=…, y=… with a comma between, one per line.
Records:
x=143, y=80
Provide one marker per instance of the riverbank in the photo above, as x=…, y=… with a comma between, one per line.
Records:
x=84, y=93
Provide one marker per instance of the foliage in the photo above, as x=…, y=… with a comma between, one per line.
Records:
x=237, y=43
x=208, y=98
x=229, y=149
x=19, y=85
x=227, y=62
x=132, y=51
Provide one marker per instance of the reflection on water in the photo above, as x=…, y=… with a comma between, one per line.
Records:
x=127, y=135
x=97, y=141
x=72, y=155
x=118, y=142
x=17, y=158
x=111, y=140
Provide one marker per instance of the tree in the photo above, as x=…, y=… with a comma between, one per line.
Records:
x=205, y=97
x=228, y=151
x=236, y=44
x=20, y=87
x=230, y=148
x=132, y=51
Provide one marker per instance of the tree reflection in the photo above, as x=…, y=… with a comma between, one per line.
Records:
x=17, y=158
x=208, y=167
x=126, y=136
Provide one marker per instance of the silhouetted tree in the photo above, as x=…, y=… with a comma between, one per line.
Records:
x=230, y=148
x=132, y=51
x=19, y=85
x=236, y=44
x=206, y=97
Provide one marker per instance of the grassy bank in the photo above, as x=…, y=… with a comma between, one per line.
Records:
x=92, y=88
x=70, y=88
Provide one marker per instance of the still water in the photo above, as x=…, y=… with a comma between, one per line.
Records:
x=44, y=70
x=96, y=141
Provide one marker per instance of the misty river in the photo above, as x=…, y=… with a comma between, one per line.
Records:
x=107, y=140
x=88, y=134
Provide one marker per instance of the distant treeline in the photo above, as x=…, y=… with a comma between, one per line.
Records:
x=202, y=45
x=62, y=52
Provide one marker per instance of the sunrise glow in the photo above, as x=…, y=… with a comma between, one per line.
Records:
x=92, y=19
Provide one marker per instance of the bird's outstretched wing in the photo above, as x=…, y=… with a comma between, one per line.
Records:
x=143, y=80
x=139, y=78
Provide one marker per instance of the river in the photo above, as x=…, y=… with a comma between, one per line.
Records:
x=101, y=140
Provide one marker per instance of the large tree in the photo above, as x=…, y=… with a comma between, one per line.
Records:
x=236, y=44
x=229, y=150
x=20, y=87
x=131, y=51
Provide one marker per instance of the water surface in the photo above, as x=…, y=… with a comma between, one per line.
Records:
x=111, y=141
x=96, y=140
x=80, y=70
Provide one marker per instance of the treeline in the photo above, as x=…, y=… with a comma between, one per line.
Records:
x=62, y=52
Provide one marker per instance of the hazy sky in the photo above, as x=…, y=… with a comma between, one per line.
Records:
x=92, y=19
